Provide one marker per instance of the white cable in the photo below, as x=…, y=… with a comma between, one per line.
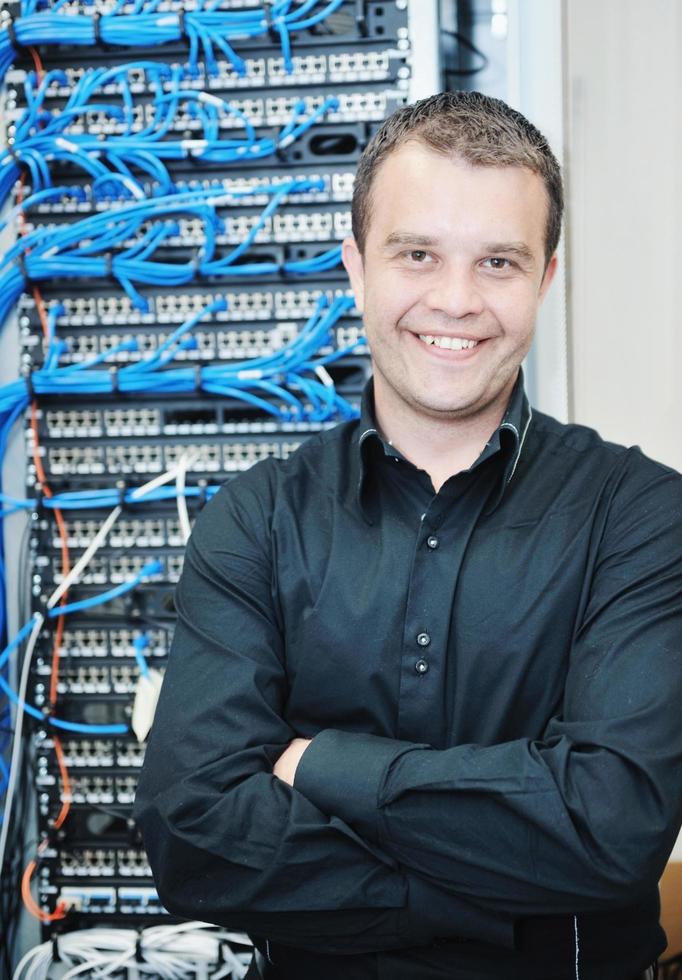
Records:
x=184, y=463
x=85, y=558
x=18, y=725
x=101, y=535
x=177, y=952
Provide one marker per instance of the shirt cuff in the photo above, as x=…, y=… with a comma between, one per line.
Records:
x=341, y=773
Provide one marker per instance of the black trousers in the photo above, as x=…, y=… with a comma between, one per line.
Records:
x=260, y=969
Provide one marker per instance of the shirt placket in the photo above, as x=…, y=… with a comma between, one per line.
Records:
x=428, y=643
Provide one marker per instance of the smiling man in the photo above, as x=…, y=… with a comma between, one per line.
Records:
x=420, y=718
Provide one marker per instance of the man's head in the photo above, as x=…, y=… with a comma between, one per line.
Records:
x=485, y=132
x=452, y=256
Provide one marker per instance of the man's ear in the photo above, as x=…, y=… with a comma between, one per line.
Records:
x=548, y=276
x=352, y=260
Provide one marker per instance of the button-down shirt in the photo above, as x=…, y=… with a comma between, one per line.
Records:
x=491, y=678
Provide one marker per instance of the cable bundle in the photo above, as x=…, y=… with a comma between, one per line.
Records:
x=293, y=377
x=43, y=138
x=175, y=952
x=206, y=29
x=84, y=249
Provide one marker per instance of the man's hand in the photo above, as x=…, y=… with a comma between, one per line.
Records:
x=285, y=767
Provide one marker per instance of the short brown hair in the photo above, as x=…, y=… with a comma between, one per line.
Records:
x=482, y=130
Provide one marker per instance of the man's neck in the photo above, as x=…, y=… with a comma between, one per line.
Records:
x=440, y=447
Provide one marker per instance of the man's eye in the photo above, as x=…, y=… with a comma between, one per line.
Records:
x=496, y=262
x=418, y=255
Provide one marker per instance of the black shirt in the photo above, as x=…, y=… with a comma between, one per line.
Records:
x=491, y=678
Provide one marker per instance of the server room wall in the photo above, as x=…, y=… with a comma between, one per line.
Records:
x=175, y=183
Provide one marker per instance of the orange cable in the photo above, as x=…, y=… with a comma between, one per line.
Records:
x=27, y=898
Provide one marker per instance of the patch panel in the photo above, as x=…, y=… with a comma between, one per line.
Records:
x=86, y=862
x=95, y=641
x=317, y=69
x=89, y=899
x=265, y=302
x=146, y=459
x=172, y=418
x=364, y=106
x=116, y=569
x=89, y=753
x=337, y=183
x=85, y=680
x=102, y=862
x=139, y=901
x=213, y=345
x=122, y=567
x=100, y=788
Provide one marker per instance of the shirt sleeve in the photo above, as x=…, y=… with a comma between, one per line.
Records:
x=585, y=817
x=227, y=841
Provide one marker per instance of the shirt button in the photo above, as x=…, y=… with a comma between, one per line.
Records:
x=432, y=542
x=423, y=639
x=421, y=667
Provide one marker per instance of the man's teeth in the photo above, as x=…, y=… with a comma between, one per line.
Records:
x=449, y=343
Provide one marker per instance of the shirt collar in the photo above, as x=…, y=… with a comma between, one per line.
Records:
x=508, y=439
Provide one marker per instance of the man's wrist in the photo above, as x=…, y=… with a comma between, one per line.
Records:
x=287, y=764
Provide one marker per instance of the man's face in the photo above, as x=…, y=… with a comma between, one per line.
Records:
x=450, y=283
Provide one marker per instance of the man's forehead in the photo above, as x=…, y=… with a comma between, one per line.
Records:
x=417, y=184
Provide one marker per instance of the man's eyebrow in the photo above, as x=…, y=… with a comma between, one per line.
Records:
x=409, y=238
x=519, y=249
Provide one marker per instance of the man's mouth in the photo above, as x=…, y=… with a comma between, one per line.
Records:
x=447, y=343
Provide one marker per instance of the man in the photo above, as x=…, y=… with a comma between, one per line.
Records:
x=420, y=719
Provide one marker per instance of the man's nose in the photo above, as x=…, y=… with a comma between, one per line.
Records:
x=455, y=291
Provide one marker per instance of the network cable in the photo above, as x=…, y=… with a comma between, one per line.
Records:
x=85, y=248
x=206, y=30
x=42, y=139
x=169, y=952
x=32, y=630
x=279, y=374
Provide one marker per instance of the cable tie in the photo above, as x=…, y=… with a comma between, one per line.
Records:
x=114, y=380
x=56, y=952
x=361, y=17
x=12, y=32
x=18, y=161
x=122, y=488
x=39, y=500
x=27, y=375
x=280, y=151
x=281, y=266
x=203, y=493
x=198, y=379
x=139, y=954
x=21, y=262
x=269, y=22
x=97, y=28
x=109, y=265
x=182, y=24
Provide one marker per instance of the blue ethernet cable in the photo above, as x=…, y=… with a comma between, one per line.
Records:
x=42, y=138
x=269, y=382
x=84, y=249
x=205, y=29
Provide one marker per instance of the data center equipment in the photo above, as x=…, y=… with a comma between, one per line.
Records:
x=175, y=183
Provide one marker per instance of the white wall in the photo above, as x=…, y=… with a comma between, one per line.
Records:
x=624, y=230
